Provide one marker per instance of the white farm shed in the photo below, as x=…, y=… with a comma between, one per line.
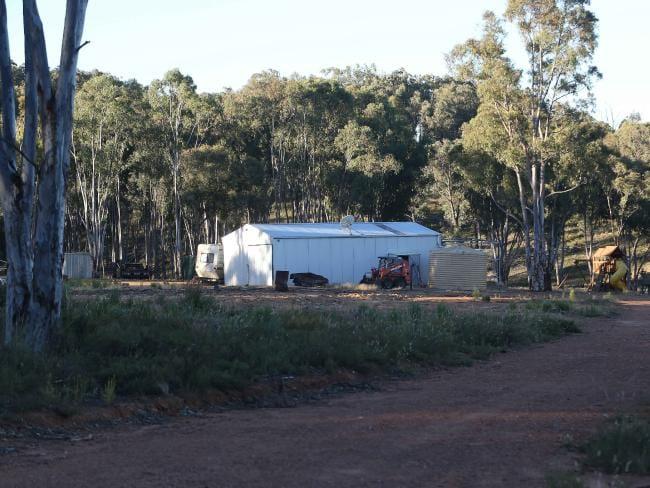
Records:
x=253, y=253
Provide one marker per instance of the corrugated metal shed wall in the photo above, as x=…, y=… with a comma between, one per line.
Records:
x=78, y=265
x=345, y=260
x=457, y=268
x=253, y=253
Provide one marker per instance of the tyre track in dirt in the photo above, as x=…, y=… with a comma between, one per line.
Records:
x=497, y=423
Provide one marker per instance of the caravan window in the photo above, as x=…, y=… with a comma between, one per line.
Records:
x=207, y=257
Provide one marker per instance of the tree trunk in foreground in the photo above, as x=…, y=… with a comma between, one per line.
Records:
x=35, y=287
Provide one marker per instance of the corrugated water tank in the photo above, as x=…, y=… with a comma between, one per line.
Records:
x=78, y=265
x=457, y=268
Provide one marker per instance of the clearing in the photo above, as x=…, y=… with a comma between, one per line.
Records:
x=501, y=422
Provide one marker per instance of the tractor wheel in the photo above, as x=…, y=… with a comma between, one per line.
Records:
x=400, y=283
x=387, y=284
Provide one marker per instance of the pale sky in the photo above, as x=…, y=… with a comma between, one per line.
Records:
x=220, y=43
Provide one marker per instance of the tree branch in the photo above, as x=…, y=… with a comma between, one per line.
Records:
x=505, y=211
x=73, y=29
x=559, y=192
x=18, y=150
x=85, y=43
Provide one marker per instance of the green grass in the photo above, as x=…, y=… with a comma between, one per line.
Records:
x=563, y=480
x=110, y=347
x=622, y=446
x=94, y=283
x=593, y=307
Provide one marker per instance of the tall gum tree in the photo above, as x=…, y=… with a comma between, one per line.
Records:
x=518, y=106
x=34, y=227
x=171, y=100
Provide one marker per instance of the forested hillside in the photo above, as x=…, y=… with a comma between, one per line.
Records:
x=503, y=154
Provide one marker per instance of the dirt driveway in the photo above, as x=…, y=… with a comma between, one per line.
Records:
x=498, y=423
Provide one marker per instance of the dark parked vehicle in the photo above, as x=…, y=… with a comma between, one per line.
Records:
x=131, y=271
x=308, y=279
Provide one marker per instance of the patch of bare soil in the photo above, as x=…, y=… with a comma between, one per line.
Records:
x=297, y=297
x=498, y=423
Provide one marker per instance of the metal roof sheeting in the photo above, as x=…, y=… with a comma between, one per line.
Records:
x=358, y=229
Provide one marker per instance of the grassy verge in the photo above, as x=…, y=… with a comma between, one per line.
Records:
x=113, y=347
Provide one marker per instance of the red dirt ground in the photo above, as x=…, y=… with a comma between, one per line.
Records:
x=498, y=423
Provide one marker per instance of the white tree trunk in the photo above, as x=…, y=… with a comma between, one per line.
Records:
x=55, y=110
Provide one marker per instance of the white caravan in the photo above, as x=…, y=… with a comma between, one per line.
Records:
x=209, y=262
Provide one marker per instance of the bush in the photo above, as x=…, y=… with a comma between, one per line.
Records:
x=112, y=347
x=623, y=446
x=563, y=480
x=548, y=306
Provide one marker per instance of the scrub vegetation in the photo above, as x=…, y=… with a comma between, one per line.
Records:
x=621, y=447
x=114, y=347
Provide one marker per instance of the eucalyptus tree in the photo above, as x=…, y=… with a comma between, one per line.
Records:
x=517, y=110
x=261, y=109
x=582, y=159
x=229, y=187
x=363, y=156
x=103, y=140
x=492, y=202
x=629, y=197
x=34, y=226
x=388, y=108
x=444, y=182
x=452, y=104
x=172, y=99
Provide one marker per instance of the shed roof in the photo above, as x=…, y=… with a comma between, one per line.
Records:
x=334, y=229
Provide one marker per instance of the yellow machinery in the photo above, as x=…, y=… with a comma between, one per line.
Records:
x=617, y=280
x=609, y=269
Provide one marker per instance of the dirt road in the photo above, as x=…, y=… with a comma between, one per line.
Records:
x=499, y=423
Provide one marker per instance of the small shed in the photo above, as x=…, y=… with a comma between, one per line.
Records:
x=341, y=254
x=457, y=268
x=608, y=253
x=78, y=265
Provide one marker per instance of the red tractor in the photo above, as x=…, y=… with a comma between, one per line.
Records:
x=392, y=271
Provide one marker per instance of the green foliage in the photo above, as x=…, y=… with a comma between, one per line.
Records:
x=621, y=447
x=96, y=284
x=563, y=480
x=592, y=308
x=194, y=299
x=114, y=347
x=549, y=305
x=108, y=393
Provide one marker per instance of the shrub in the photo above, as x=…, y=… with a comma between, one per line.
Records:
x=563, y=480
x=623, y=446
x=108, y=393
x=112, y=347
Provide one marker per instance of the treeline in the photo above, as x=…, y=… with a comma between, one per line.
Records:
x=508, y=156
x=156, y=170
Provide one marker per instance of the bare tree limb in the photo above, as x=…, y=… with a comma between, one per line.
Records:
x=505, y=211
x=85, y=43
x=19, y=151
x=559, y=192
